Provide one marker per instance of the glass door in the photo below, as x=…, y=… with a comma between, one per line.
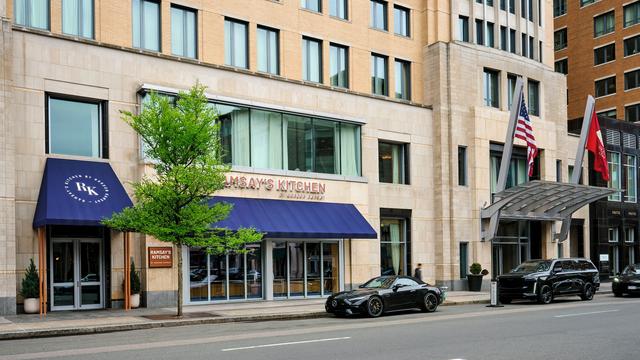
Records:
x=89, y=268
x=62, y=274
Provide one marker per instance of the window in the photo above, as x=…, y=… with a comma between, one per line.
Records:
x=608, y=113
x=517, y=168
x=540, y=50
x=313, y=5
x=511, y=87
x=512, y=41
x=379, y=75
x=613, y=237
x=339, y=9
x=479, y=32
x=632, y=80
x=463, y=28
x=586, y=2
x=183, y=32
x=32, y=13
x=311, y=59
x=603, y=24
x=604, y=54
x=562, y=66
x=530, y=10
x=615, y=181
x=503, y=5
x=560, y=39
x=339, y=66
x=379, y=15
x=268, y=50
x=606, y=86
x=464, y=259
x=401, y=21
x=75, y=128
x=630, y=236
x=236, y=52
x=570, y=174
x=77, y=18
x=512, y=6
x=559, y=7
x=491, y=88
x=632, y=45
x=523, y=8
x=462, y=165
x=504, y=40
x=632, y=113
x=146, y=24
x=533, y=91
x=403, y=79
x=559, y=171
x=531, y=51
x=523, y=45
x=632, y=14
x=393, y=163
x=393, y=247
x=630, y=184
x=490, y=37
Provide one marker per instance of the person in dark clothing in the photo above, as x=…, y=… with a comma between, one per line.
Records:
x=417, y=273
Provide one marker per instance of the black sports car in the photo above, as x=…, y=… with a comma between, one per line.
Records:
x=627, y=282
x=386, y=293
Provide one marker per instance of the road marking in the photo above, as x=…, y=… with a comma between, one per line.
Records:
x=587, y=313
x=287, y=343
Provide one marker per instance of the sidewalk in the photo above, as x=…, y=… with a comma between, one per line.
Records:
x=109, y=320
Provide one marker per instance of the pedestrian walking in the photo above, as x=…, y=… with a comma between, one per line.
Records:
x=417, y=273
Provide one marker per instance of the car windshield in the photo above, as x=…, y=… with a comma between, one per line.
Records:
x=382, y=282
x=633, y=269
x=532, y=266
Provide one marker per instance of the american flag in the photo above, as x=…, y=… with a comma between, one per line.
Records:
x=524, y=131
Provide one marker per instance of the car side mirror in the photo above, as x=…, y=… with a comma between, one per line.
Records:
x=396, y=287
x=361, y=286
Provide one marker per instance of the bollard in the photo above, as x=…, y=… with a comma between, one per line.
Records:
x=495, y=297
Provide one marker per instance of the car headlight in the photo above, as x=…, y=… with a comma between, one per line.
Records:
x=615, y=279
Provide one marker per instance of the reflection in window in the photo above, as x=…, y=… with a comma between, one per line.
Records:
x=74, y=128
x=392, y=247
x=32, y=13
x=234, y=134
x=77, y=18
x=603, y=24
x=392, y=163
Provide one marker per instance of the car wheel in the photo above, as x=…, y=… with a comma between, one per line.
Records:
x=505, y=300
x=546, y=295
x=617, y=294
x=587, y=292
x=430, y=302
x=374, y=307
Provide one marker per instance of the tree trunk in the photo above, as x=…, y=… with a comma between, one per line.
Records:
x=179, y=280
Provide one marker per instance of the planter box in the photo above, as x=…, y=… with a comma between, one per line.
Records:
x=475, y=282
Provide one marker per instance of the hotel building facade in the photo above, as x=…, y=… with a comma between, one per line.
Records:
x=391, y=112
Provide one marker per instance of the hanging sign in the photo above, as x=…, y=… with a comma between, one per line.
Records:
x=160, y=257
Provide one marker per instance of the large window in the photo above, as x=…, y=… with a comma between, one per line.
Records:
x=184, y=35
x=379, y=15
x=630, y=179
x=491, y=88
x=339, y=65
x=32, y=13
x=562, y=66
x=393, y=247
x=560, y=39
x=604, y=24
x=146, y=24
x=605, y=86
x=311, y=59
x=533, y=92
x=632, y=14
x=75, y=127
x=632, y=113
x=403, y=79
x=559, y=7
x=339, y=9
x=615, y=180
x=268, y=50
x=632, y=45
x=393, y=163
x=77, y=18
x=463, y=28
x=632, y=79
x=379, y=75
x=236, y=51
x=313, y=5
x=401, y=21
x=604, y=54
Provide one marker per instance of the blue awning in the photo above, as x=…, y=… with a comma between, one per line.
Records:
x=75, y=192
x=296, y=219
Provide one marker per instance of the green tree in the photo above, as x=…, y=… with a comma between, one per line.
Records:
x=183, y=144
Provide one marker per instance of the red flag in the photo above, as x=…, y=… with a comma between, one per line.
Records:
x=596, y=146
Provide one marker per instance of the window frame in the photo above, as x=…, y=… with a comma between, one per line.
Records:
x=533, y=110
x=373, y=12
x=564, y=68
x=304, y=5
x=559, y=8
x=307, y=54
x=79, y=20
x=141, y=19
x=632, y=107
x=277, y=45
x=346, y=61
x=406, y=67
x=617, y=197
x=28, y=19
x=637, y=15
x=626, y=42
x=185, y=10
x=636, y=73
x=407, y=11
x=606, y=30
x=463, y=28
x=604, y=48
x=374, y=72
x=605, y=81
x=404, y=162
x=463, y=176
x=345, y=8
x=559, y=44
x=486, y=101
x=231, y=48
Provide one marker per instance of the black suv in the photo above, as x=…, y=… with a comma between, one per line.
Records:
x=542, y=280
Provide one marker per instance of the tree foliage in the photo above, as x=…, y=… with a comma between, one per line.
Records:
x=30, y=283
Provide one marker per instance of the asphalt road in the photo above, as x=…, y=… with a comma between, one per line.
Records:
x=605, y=328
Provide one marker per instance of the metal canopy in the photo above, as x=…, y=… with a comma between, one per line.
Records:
x=543, y=200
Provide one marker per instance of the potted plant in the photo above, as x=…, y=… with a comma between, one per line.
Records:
x=30, y=290
x=474, y=279
x=134, y=279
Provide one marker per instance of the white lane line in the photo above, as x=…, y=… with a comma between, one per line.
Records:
x=587, y=313
x=287, y=343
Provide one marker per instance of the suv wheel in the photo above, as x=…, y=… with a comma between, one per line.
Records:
x=587, y=292
x=545, y=296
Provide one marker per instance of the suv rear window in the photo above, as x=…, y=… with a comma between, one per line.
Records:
x=586, y=265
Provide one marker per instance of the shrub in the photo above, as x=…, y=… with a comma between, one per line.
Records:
x=475, y=268
x=134, y=279
x=30, y=283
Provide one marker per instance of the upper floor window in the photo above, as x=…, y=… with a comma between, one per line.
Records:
x=313, y=5
x=605, y=86
x=490, y=35
x=518, y=173
x=630, y=178
x=632, y=79
x=339, y=9
x=491, y=88
x=77, y=18
x=311, y=59
x=512, y=6
x=236, y=51
x=604, y=24
x=463, y=28
x=586, y=2
x=562, y=66
x=268, y=50
x=503, y=5
x=462, y=165
x=511, y=87
x=512, y=41
x=75, y=127
x=615, y=180
x=401, y=21
x=184, y=35
x=504, y=38
x=560, y=39
x=479, y=32
x=604, y=54
x=632, y=45
x=632, y=113
x=379, y=15
x=559, y=7
x=608, y=113
x=533, y=91
x=379, y=75
x=524, y=45
x=146, y=24
x=403, y=79
x=632, y=14
x=32, y=13
x=339, y=65
x=392, y=163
